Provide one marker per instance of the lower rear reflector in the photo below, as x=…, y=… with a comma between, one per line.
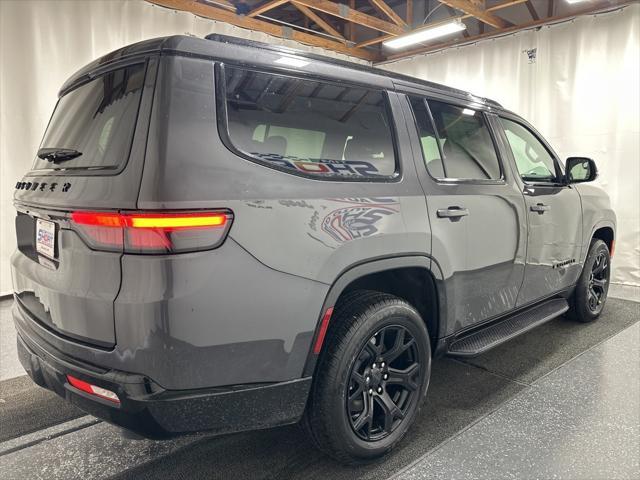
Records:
x=324, y=324
x=93, y=389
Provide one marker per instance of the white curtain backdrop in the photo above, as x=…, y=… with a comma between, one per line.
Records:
x=582, y=92
x=44, y=42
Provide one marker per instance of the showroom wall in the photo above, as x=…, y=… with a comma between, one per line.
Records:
x=578, y=83
x=44, y=42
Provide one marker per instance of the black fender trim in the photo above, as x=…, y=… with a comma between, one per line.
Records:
x=597, y=226
x=375, y=266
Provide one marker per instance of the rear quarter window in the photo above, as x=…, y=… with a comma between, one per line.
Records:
x=308, y=127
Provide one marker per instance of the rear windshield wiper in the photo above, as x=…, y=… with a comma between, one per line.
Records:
x=56, y=155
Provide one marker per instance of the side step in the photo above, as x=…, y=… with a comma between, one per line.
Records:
x=485, y=339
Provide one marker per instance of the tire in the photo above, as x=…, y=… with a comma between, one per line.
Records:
x=347, y=387
x=588, y=298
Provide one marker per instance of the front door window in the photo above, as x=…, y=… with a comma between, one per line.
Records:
x=534, y=162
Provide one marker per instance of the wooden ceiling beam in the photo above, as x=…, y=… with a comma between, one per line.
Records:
x=532, y=10
x=352, y=15
x=265, y=7
x=500, y=6
x=374, y=41
x=314, y=17
x=497, y=6
x=389, y=12
x=470, y=9
x=352, y=26
x=600, y=6
x=223, y=15
x=409, y=12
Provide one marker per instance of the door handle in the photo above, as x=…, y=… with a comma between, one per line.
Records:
x=452, y=213
x=540, y=208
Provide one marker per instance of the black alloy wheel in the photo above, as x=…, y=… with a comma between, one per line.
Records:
x=383, y=383
x=590, y=294
x=371, y=378
x=598, y=282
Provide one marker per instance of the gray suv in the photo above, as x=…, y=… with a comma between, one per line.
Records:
x=223, y=235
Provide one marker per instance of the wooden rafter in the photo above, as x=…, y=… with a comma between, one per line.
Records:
x=340, y=36
x=352, y=26
x=470, y=9
x=497, y=6
x=224, y=15
x=389, y=12
x=265, y=7
x=374, y=41
x=532, y=10
x=602, y=5
x=314, y=17
x=347, y=13
x=500, y=6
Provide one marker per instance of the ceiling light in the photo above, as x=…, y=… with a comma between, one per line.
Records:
x=576, y=1
x=292, y=62
x=424, y=34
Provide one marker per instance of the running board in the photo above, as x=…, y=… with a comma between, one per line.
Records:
x=482, y=340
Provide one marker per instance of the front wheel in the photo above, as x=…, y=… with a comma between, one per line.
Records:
x=372, y=377
x=589, y=297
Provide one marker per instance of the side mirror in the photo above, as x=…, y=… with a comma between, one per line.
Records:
x=580, y=169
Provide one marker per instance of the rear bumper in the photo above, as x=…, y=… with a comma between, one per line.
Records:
x=149, y=410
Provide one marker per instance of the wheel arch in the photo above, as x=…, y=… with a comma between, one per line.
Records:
x=606, y=233
x=409, y=274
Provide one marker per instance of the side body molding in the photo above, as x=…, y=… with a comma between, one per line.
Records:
x=357, y=271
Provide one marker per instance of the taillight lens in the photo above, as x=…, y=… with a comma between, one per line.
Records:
x=162, y=232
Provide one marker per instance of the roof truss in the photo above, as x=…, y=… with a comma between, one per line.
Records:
x=359, y=27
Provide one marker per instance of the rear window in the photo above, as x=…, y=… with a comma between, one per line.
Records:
x=316, y=128
x=97, y=120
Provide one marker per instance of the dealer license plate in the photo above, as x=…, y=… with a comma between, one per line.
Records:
x=46, y=238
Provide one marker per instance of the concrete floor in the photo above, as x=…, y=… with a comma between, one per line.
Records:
x=562, y=401
x=579, y=421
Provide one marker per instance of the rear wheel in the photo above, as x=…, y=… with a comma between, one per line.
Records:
x=372, y=377
x=590, y=295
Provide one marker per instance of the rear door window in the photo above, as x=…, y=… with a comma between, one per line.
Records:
x=96, y=121
x=309, y=127
x=465, y=140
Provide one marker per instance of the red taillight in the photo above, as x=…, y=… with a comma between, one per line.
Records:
x=324, y=324
x=93, y=389
x=153, y=232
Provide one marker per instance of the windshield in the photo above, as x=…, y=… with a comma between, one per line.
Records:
x=92, y=126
